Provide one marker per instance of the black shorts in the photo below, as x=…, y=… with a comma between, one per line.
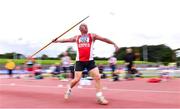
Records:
x=113, y=67
x=81, y=65
x=65, y=69
x=129, y=67
x=9, y=72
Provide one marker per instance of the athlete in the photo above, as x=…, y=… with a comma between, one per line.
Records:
x=84, y=59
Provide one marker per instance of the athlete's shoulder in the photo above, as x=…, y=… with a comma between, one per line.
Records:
x=92, y=35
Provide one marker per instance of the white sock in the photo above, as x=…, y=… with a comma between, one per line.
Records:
x=69, y=88
x=98, y=94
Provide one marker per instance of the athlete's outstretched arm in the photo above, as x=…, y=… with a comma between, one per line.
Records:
x=97, y=37
x=72, y=39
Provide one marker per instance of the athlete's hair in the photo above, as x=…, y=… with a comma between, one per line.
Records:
x=83, y=24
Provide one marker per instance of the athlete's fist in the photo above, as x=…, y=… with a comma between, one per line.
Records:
x=116, y=48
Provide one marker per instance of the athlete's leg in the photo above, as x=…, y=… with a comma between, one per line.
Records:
x=73, y=82
x=96, y=76
x=78, y=75
x=79, y=67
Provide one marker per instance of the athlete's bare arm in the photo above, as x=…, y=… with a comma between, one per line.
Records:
x=72, y=39
x=97, y=37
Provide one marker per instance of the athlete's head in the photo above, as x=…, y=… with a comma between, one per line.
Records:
x=129, y=50
x=83, y=28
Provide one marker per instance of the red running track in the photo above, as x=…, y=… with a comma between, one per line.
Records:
x=48, y=93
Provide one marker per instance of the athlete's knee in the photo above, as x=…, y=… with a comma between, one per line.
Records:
x=97, y=77
x=77, y=79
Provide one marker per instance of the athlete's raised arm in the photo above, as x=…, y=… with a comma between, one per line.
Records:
x=72, y=39
x=97, y=37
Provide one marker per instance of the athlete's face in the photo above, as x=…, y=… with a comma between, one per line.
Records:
x=83, y=28
x=128, y=50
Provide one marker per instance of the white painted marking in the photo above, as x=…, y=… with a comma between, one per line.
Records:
x=12, y=84
x=84, y=88
x=104, y=88
x=60, y=86
x=79, y=86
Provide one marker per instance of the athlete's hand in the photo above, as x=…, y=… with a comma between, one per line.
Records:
x=116, y=48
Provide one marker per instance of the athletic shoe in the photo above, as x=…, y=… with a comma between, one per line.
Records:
x=67, y=94
x=101, y=100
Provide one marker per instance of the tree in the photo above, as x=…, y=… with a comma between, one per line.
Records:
x=120, y=54
x=44, y=56
x=160, y=53
x=71, y=52
x=155, y=53
x=12, y=55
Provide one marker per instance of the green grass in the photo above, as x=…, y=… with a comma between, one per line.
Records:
x=48, y=62
x=17, y=61
x=22, y=61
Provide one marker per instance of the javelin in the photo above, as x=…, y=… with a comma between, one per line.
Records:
x=59, y=36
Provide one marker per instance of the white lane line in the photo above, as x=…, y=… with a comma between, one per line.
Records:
x=39, y=86
x=60, y=85
x=151, y=91
x=79, y=86
x=121, y=90
x=12, y=84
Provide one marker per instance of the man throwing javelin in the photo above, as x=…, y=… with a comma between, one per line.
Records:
x=84, y=59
